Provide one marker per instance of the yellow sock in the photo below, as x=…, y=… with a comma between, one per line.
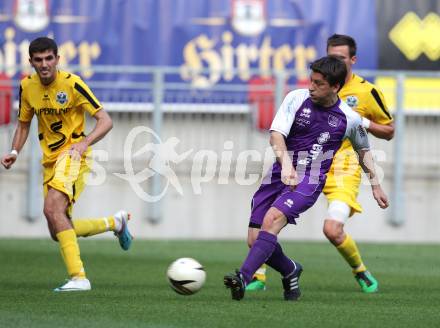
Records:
x=90, y=227
x=350, y=253
x=260, y=274
x=70, y=253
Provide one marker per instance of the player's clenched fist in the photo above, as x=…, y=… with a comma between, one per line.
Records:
x=289, y=176
x=8, y=160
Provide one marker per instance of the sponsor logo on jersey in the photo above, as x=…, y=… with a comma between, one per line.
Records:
x=306, y=112
x=51, y=111
x=288, y=203
x=323, y=137
x=302, y=121
x=312, y=155
x=361, y=131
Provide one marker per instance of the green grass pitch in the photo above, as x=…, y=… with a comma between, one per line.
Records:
x=130, y=288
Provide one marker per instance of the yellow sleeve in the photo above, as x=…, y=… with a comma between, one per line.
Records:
x=25, y=111
x=377, y=108
x=85, y=98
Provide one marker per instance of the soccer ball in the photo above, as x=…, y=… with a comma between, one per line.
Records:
x=186, y=276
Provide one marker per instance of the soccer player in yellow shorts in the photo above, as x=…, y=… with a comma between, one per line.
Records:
x=344, y=177
x=60, y=100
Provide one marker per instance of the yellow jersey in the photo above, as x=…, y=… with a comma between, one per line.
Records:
x=344, y=177
x=60, y=109
x=364, y=98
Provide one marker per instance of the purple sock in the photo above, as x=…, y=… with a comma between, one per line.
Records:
x=260, y=251
x=280, y=262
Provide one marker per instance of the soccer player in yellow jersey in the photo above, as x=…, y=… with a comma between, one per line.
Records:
x=343, y=180
x=344, y=177
x=60, y=100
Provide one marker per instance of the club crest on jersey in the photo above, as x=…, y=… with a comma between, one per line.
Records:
x=323, y=137
x=333, y=121
x=352, y=101
x=61, y=97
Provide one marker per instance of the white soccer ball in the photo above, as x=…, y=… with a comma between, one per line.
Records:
x=186, y=276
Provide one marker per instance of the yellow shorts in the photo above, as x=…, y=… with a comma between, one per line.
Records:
x=68, y=176
x=343, y=180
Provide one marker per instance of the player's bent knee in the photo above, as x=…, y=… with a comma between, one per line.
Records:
x=268, y=221
x=330, y=232
x=53, y=207
x=274, y=220
x=334, y=231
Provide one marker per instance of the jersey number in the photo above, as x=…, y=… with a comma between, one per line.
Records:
x=56, y=127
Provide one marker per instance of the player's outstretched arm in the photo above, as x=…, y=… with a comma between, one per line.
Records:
x=20, y=137
x=103, y=125
x=367, y=163
x=381, y=131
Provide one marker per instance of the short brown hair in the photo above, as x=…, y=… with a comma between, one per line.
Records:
x=42, y=44
x=342, y=40
x=332, y=68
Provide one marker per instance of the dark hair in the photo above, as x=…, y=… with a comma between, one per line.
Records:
x=42, y=44
x=332, y=68
x=342, y=40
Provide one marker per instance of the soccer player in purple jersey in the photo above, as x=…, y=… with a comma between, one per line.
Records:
x=306, y=132
x=344, y=177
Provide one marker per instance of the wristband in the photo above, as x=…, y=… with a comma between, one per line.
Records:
x=14, y=152
x=365, y=122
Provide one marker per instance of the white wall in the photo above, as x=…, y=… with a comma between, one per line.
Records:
x=221, y=211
